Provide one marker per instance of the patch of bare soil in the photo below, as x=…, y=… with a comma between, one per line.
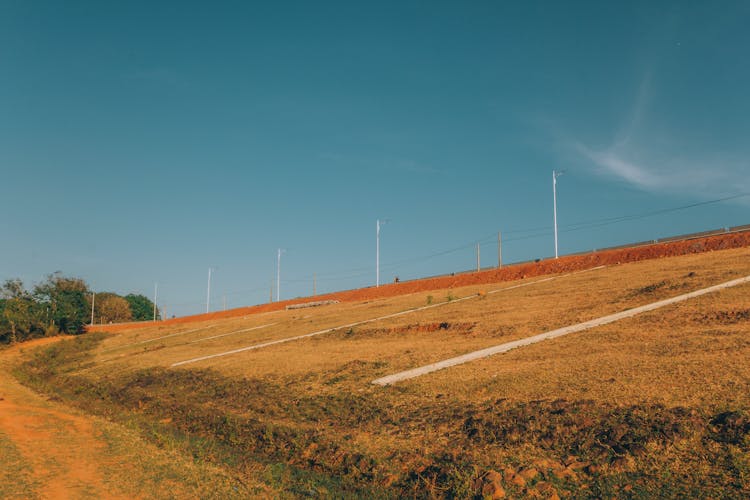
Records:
x=61, y=447
x=729, y=317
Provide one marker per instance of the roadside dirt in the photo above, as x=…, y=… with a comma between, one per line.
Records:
x=61, y=447
x=509, y=273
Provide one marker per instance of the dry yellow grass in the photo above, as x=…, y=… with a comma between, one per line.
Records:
x=685, y=355
x=397, y=343
x=628, y=379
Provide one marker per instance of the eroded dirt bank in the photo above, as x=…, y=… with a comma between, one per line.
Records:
x=509, y=273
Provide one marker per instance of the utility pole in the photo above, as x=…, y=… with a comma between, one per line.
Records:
x=499, y=250
x=225, y=302
x=156, y=288
x=270, y=292
x=555, y=175
x=93, y=301
x=208, y=290
x=377, y=253
x=278, y=273
x=378, y=223
x=314, y=283
x=478, y=265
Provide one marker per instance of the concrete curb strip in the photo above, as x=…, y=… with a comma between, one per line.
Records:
x=193, y=330
x=232, y=333
x=490, y=351
x=388, y=316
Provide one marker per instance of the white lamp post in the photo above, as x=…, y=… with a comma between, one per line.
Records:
x=208, y=290
x=378, y=223
x=278, y=273
x=156, y=288
x=555, y=175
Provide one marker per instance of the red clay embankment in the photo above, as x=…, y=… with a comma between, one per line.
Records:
x=508, y=273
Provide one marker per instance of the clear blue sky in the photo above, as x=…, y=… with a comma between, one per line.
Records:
x=143, y=142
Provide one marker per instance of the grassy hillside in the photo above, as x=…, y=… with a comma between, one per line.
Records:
x=655, y=405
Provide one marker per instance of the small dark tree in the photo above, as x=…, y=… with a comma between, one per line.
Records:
x=141, y=307
x=5, y=331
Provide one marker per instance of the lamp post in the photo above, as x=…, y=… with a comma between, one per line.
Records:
x=378, y=223
x=156, y=288
x=555, y=175
x=278, y=273
x=208, y=290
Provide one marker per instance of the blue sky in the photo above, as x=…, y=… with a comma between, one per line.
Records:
x=143, y=142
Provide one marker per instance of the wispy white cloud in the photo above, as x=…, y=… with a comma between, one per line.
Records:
x=609, y=162
x=637, y=113
x=696, y=177
x=633, y=156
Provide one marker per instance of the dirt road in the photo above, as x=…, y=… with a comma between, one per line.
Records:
x=59, y=449
x=51, y=450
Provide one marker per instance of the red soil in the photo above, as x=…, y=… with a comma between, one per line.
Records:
x=509, y=273
x=63, y=450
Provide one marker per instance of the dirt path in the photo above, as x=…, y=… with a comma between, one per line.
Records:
x=61, y=448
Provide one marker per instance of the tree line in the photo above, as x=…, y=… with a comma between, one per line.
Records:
x=62, y=304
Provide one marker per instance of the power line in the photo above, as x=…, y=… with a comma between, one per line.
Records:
x=521, y=235
x=531, y=233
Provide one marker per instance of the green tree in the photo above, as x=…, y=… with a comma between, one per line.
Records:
x=141, y=307
x=66, y=299
x=17, y=311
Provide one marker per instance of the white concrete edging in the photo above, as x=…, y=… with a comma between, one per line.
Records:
x=388, y=316
x=490, y=351
x=233, y=333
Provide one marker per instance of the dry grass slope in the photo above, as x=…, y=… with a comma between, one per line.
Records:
x=655, y=405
